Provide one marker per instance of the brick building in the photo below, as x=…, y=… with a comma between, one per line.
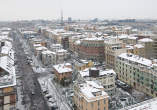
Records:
x=92, y=49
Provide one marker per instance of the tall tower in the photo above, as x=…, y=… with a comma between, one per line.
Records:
x=62, y=22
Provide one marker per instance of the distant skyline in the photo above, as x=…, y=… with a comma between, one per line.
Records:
x=77, y=9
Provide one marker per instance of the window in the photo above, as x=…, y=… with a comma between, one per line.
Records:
x=91, y=104
x=98, y=102
x=104, y=101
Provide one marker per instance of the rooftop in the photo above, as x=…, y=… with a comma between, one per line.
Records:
x=92, y=91
x=146, y=105
x=48, y=52
x=8, y=77
x=62, y=68
x=93, y=38
x=145, y=40
x=139, y=46
x=85, y=73
x=136, y=58
x=41, y=48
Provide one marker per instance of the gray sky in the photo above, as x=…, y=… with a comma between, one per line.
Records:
x=83, y=9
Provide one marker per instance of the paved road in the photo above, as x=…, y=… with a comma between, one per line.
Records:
x=29, y=80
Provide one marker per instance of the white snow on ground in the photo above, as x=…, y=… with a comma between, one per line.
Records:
x=146, y=105
x=46, y=84
x=39, y=70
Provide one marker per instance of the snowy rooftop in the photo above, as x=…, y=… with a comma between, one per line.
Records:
x=61, y=50
x=139, y=46
x=93, y=38
x=41, y=48
x=56, y=45
x=78, y=42
x=124, y=36
x=4, y=33
x=112, y=40
x=85, y=73
x=129, y=47
x=37, y=45
x=145, y=40
x=146, y=105
x=29, y=32
x=89, y=90
x=9, y=77
x=62, y=68
x=132, y=37
x=48, y=52
x=5, y=37
x=136, y=58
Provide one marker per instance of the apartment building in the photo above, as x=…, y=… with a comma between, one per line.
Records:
x=92, y=49
x=38, y=51
x=128, y=39
x=90, y=96
x=61, y=55
x=83, y=64
x=138, y=72
x=154, y=38
x=63, y=71
x=48, y=58
x=148, y=47
x=7, y=77
x=34, y=43
x=137, y=49
x=55, y=47
x=106, y=78
x=113, y=47
x=72, y=41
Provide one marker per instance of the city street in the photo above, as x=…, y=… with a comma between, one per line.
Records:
x=54, y=92
x=32, y=96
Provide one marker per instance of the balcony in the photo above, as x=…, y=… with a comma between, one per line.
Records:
x=8, y=93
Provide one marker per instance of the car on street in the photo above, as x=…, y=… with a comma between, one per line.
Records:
x=33, y=93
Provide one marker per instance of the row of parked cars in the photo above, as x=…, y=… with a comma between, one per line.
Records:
x=52, y=103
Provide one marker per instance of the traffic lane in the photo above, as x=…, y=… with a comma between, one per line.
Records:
x=28, y=81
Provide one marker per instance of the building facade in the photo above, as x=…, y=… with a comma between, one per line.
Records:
x=92, y=49
x=106, y=78
x=90, y=96
x=138, y=72
x=7, y=76
x=63, y=71
x=113, y=47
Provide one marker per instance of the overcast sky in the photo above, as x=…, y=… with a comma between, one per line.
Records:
x=83, y=9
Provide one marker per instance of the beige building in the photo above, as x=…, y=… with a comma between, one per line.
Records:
x=148, y=47
x=61, y=55
x=83, y=64
x=138, y=72
x=154, y=46
x=48, y=58
x=90, y=96
x=106, y=78
x=38, y=51
x=137, y=49
x=113, y=47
